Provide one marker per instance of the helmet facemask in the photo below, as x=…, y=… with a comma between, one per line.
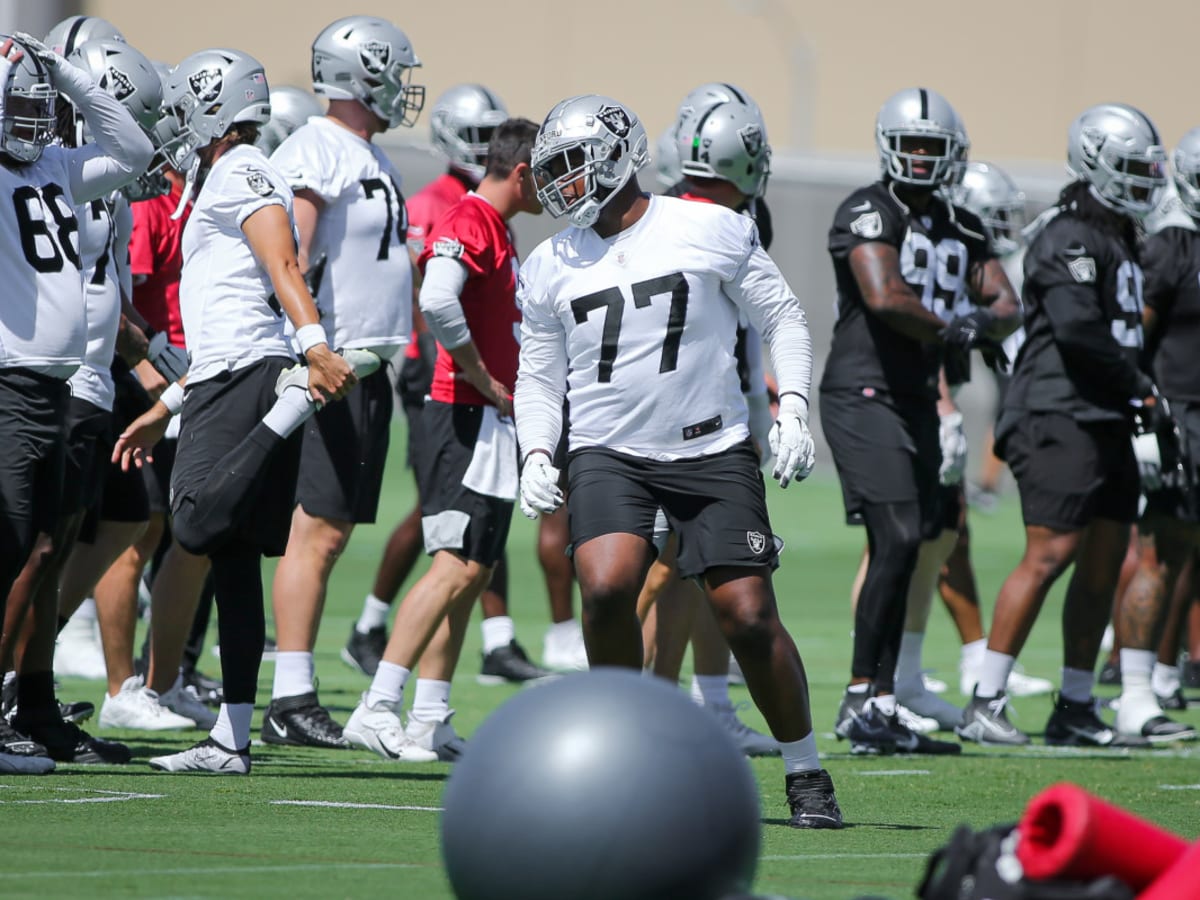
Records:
x=567, y=184
x=1131, y=184
x=30, y=116
x=393, y=97
x=917, y=156
x=1185, y=165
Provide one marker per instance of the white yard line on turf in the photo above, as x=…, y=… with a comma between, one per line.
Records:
x=1179, y=787
x=334, y=805
x=105, y=796
x=206, y=870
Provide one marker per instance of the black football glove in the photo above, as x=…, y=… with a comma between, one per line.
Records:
x=994, y=356
x=968, y=331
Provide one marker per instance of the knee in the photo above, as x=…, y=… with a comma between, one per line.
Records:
x=748, y=623
x=607, y=598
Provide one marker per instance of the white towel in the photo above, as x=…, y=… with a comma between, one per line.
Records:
x=493, y=471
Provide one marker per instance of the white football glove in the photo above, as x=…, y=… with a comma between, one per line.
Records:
x=954, y=448
x=791, y=442
x=170, y=361
x=1149, y=460
x=539, y=486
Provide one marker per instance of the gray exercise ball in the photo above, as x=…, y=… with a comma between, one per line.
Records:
x=602, y=785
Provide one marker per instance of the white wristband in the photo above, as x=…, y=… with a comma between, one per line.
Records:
x=308, y=336
x=172, y=398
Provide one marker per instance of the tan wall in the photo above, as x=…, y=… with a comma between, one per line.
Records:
x=1017, y=72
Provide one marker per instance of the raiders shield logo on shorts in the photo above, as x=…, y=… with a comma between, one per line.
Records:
x=756, y=540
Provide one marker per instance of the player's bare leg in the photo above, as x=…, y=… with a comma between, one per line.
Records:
x=173, y=601
x=116, y=596
x=676, y=613
x=562, y=647
x=611, y=570
x=400, y=555
x=302, y=576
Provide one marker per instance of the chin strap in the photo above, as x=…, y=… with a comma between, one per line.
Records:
x=189, y=187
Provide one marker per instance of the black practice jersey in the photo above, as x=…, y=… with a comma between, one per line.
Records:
x=1083, y=324
x=1171, y=261
x=937, y=250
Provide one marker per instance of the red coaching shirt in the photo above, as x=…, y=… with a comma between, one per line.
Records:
x=473, y=233
x=154, y=251
x=425, y=207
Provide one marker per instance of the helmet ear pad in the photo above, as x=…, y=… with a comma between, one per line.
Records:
x=607, y=175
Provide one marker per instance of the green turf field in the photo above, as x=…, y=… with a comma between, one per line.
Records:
x=311, y=823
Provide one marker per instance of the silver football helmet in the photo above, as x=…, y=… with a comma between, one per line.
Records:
x=727, y=141
x=291, y=107
x=987, y=191
x=666, y=159
x=920, y=137
x=74, y=31
x=1117, y=151
x=1185, y=163
x=586, y=150
x=462, y=122
x=28, y=121
x=370, y=60
x=133, y=80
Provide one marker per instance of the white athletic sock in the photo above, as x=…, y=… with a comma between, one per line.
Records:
x=1165, y=680
x=711, y=690
x=993, y=673
x=801, y=755
x=971, y=658
x=233, y=726
x=908, y=662
x=290, y=411
x=1077, y=684
x=431, y=701
x=858, y=688
x=1136, y=669
x=374, y=614
x=561, y=631
x=293, y=674
x=388, y=684
x=498, y=632
x=87, y=609
x=886, y=704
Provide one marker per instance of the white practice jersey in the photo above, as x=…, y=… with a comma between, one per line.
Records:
x=642, y=327
x=100, y=250
x=230, y=315
x=365, y=289
x=43, y=323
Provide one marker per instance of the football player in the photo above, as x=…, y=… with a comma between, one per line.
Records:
x=351, y=217
x=462, y=122
x=631, y=315
x=1066, y=422
x=466, y=460
x=235, y=469
x=1168, y=531
x=915, y=276
x=43, y=330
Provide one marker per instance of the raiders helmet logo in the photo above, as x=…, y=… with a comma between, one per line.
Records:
x=375, y=55
x=448, y=247
x=206, y=84
x=118, y=84
x=756, y=540
x=260, y=184
x=616, y=120
x=1083, y=269
x=752, y=139
x=868, y=225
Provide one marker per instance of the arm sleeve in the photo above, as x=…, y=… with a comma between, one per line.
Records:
x=121, y=151
x=759, y=288
x=439, y=301
x=541, y=375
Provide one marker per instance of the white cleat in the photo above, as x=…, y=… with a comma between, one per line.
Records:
x=919, y=700
x=183, y=701
x=438, y=737
x=934, y=685
x=206, y=757
x=378, y=728
x=565, y=652
x=914, y=722
x=79, y=653
x=363, y=362
x=136, y=706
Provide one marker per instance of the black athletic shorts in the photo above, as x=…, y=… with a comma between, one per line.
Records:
x=887, y=450
x=716, y=504
x=88, y=447
x=1175, y=501
x=218, y=414
x=1069, y=473
x=345, y=450
x=123, y=497
x=413, y=384
x=454, y=517
x=33, y=410
x=157, y=476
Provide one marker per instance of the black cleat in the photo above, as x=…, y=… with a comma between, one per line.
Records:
x=812, y=801
x=79, y=711
x=1162, y=730
x=849, y=709
x=906, y=740
x=1075, y=724
x=1110, y=674
x=873, y=733
x=67, y=742
x=509, y=664
x=301, y=722
x=209, y=690
x=14, y=743
x=1174, y=702
x=1191, y=674
x=364, y=651
x=985, y=722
